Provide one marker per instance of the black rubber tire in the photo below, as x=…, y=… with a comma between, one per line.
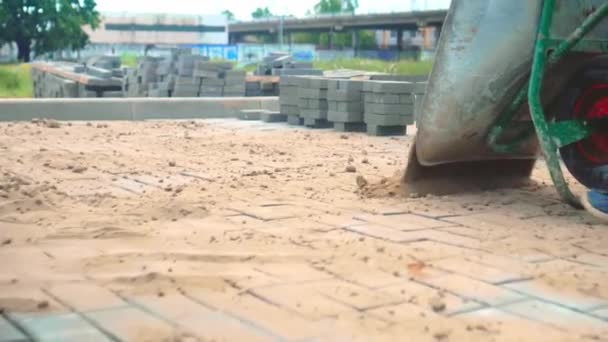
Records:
x=590, y=174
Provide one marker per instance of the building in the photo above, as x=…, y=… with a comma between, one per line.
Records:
x=159, y=29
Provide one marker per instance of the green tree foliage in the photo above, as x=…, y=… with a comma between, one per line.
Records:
x=261, y=13
x=228, y=14
x=336, y=6
x=44, y=26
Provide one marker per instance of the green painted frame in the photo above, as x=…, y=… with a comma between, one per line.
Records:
x=551, y=136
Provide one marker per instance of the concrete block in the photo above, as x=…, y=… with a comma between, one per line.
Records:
x=212, y=82
x=269, y=116
x=336, y=116
x=212, y=89
x=295, y=120
x=383, y=131
x=313, y=113
x=312, y=93
x=400, y=78
x=393, y=87
x=232, y=94
x=387, y=120
x=302, y=82
x=251, y=114
x=356, y=107
x=344, y=95
x=318, y=83
x=389, y=109
x=346, y=85
x=235, y=88
x=388, y=98
x=284, y=72
x=290, y=110
x=236, y=74
x=350, y=127
x=112, y=94
x=317, y=123
x=420, y=88
x=314, y=104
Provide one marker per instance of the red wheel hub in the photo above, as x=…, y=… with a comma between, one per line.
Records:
x=593, y=104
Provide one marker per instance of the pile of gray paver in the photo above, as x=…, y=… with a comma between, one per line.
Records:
x=378, y=107
x=97, y=77
x=288, y=99
x=345, y=103
x=261, y=88
x=312, y=101
x=388, y=107
x=282, y=64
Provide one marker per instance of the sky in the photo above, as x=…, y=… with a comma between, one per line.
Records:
x=242, y=8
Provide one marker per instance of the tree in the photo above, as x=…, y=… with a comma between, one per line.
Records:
x=46, y=25
x=261, y=13
x=228, y=14
x=336, y=6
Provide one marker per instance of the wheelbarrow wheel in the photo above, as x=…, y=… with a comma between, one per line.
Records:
x=586, y=97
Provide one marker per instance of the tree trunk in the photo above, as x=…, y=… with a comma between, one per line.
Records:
x=23, y=50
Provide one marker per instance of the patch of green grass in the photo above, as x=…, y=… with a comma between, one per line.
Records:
x=403, y=67
x=15, y=80
x=128, y=60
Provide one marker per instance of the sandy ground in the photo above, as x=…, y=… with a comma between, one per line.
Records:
x=258, y=217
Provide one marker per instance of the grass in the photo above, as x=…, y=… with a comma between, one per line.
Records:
x=128, y=60
x=15, y=80
x=403, y=67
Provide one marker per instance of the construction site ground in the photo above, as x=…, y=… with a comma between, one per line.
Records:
x=224, y=230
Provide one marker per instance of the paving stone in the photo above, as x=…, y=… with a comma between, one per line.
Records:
x=477, y=271
x=202, y=321
x=393, y=87
x=314, y=104
x=334, y=116
x=292, y=272
x=129, y=323
x=382, y=232
x=347, y=106
x=602, y=313
x=295, y=120
x=403, y=221
x=273, y=117
x=349, y=126
x=356, y=296
x=384, y=131
x=318, y=83
x=556, y=315
x=570, y=298
x=8, y=333
x=59, y=327
x=250, y=114
x=404, y=314
x=388, y=99
x=312, y=93
x=362, y=274
x=592, y=259
x=344, y=95
x=90, y=296
x=386, y=120
x=290, y=110
x=421, y=295
x=473, y=289
x=389, y=109
x=302, y=299
x=317, y=123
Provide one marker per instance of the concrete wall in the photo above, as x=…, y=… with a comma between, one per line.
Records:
x=131, y=108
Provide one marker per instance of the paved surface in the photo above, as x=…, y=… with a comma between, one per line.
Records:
x=223, y=230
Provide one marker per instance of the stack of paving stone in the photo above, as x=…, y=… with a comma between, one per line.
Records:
x=281, y=63
x=185, y=82
x=345, y=104
x=261, y=88
x=312, y=101
x=137, y=82
x=288, y=99
x=70, y=80
x=388, y=107
x=216, y=79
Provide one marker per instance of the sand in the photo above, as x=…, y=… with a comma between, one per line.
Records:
x=163, y=208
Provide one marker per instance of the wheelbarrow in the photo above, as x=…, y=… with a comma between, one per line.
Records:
x=513, y=79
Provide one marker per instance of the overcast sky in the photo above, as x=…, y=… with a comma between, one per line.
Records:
x=243, y=8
